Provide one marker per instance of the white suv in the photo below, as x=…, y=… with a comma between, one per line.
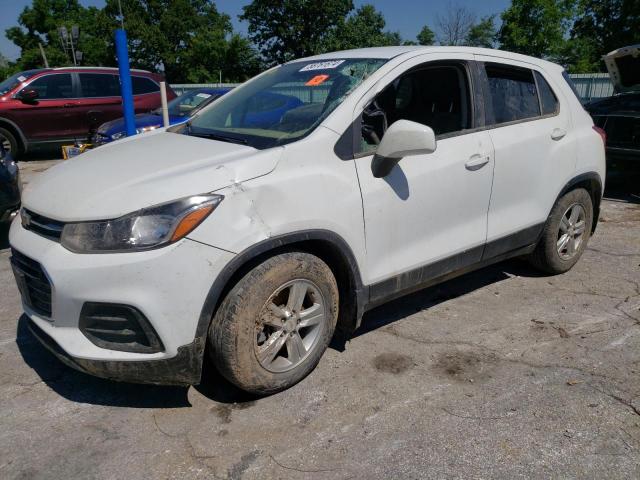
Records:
x=283, y=211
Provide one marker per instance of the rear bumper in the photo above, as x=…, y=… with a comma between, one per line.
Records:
x=183, y=369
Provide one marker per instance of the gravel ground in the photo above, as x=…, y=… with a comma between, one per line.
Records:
x=502, y=373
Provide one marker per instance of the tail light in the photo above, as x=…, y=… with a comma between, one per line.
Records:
x=602, y=134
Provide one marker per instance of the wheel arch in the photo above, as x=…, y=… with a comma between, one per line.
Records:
x=13, y=128
x=326, y=245
x=592, y=183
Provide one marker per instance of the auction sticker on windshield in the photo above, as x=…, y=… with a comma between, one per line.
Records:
x=322, y=65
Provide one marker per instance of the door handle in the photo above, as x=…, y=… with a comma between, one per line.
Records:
x=477, y=161
x=558, y=133
x=69, y=105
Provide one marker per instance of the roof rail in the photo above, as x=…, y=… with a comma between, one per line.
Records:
x=98, y=68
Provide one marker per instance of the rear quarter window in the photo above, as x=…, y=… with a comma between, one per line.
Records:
x=548, y=99
x=513, y=93
x=142, y=85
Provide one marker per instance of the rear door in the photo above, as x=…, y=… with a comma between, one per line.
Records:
x=531, y=134
x=49, y=117
x=429, y=215
x=100, y=102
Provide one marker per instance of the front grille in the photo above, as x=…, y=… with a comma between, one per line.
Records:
x=41, y=225
x=32, y=282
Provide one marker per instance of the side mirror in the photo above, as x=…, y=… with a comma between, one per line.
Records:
x=402, y=139
x=28, y=95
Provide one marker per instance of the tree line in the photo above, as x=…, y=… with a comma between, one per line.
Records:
x=192, y=42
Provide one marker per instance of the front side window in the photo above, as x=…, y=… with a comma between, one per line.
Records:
x=548, y=99
x=95, y=85
x=14, y=80
x=436, y=96
x=52, y=87
x=284, y=104
x=143, y=85
x=513, y=93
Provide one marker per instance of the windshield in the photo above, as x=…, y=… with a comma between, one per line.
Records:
x=284, y=104
x=14, y=80
x=185, y=105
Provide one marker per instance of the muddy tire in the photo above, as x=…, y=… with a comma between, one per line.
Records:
x=276, y=322
x=565, y=234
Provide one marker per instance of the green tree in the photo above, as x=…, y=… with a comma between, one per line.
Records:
x=426, y=36
x=189, y=40
x=40, y=22
x=600, y=27
x=288, y=29
x=364, y=28
x=536, y=27
x=483, y=33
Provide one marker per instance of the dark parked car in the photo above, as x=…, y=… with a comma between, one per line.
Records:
x=619, y=115
x=181, y=109
x=9, y=186
x=54, y=106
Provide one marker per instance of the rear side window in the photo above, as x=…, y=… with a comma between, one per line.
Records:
x=95, y=85
x=54, y=86
x=513, y=93
x=572, y=85
x=143, y=85
x=548, y=99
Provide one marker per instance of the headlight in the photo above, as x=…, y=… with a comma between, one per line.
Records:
x=147, y=129
x=118, y=135
x=145, y=229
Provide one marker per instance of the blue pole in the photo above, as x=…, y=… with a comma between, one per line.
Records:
x=125, y=82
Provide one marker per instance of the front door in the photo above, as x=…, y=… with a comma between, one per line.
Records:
x=429, y=215
x=49, y=117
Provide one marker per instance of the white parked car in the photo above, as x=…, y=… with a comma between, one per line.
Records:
x=254, y=241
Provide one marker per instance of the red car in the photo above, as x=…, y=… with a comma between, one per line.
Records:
x=53, y=106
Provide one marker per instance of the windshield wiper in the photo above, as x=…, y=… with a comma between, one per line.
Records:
x=215, y=136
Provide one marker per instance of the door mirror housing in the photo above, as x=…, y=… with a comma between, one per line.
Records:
x=402, y=139
x=28, y=95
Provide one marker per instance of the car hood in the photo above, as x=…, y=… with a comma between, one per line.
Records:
x=142, y=171
x=624, y=68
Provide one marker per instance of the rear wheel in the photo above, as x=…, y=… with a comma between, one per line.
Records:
x=276, y=322
x=565, y=234
x=9, y=142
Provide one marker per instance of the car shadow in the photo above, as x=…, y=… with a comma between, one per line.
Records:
x=429, y=297
x=82, y=388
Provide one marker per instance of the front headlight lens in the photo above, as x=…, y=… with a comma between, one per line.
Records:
x=147, y=129
x=142, y=230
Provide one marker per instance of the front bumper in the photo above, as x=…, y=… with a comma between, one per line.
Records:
x=183, y=369
x=168, y=285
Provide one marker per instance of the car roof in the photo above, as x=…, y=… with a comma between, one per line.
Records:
x=412, y=50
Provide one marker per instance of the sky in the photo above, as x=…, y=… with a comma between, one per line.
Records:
x=405, y=16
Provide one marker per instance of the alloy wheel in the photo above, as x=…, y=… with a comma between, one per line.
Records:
x=571, y=232
x=290, y=325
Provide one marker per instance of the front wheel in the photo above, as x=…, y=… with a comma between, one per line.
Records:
x=565, y=234
x=275, y=323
